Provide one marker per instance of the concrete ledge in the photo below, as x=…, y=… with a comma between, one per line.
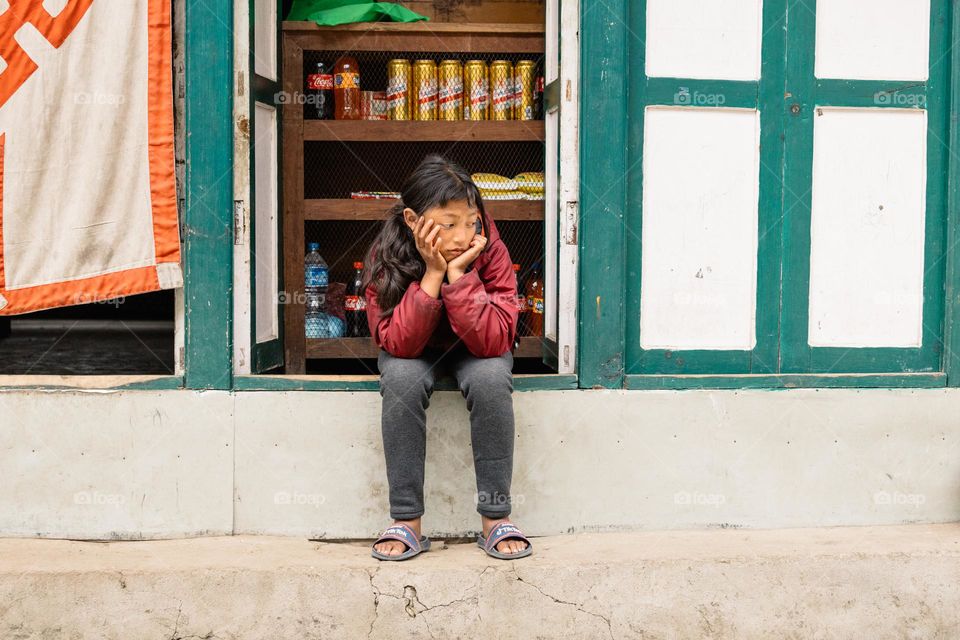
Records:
x=857, y=582
x=135, y=465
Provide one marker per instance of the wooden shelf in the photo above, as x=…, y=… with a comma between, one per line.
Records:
x=341, y=348
x=481, y=30
x=349, y=209
x=420, y=131
x=419, y=36
x=317, y=348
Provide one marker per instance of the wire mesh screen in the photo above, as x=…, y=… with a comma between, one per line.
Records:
x=373, y=65
x=337, y=169
x=344, y=242
x=342, y=170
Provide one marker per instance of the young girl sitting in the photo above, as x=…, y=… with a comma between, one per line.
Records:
x=441, y=295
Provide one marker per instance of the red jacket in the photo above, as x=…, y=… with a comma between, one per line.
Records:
x=480, y=309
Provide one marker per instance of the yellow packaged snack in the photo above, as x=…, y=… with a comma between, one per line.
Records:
x=493, y=182
x=502, y=194
x=529, y=181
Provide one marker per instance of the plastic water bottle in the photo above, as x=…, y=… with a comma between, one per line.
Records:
x=316, y=279
x=316, y=276
x=313, y=318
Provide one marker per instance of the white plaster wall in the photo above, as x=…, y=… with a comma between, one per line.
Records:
x=116, y=465
x=311, y=463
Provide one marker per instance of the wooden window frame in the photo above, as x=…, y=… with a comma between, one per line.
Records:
x=612, y=40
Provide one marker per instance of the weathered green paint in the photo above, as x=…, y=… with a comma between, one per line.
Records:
x=208, y=227
x=371, y=383
x=797, y=355
x=317, y=383
x=952, y=299
x=156, y=383
x=266, y=355
x=545, y=382
x=766, y=96
x=603, y=103
x=787, y=381
x=869, y=93
x=687, y=92
x=769, y=245
x=798, y=107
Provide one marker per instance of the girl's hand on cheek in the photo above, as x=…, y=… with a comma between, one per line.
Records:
x=457, y=266
x=429, y=245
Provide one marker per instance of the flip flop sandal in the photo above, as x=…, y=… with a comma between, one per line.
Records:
x=504, y=531
x=407, y=536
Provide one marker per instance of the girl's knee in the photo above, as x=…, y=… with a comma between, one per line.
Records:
x=405, y=377
x=488, y=377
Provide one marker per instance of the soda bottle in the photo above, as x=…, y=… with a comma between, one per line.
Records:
x=346, y=89
x=535, y=302
x=320, y=90
x=355, y=305
x=538, y=99
x=521, y=304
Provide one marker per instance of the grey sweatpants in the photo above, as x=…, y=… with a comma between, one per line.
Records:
x=406, y=385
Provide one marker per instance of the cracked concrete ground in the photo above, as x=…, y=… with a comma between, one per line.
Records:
x=857, y=582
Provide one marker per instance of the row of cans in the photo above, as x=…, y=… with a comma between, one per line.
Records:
x=425, y=90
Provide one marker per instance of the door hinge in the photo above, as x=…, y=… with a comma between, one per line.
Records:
x=238, y=222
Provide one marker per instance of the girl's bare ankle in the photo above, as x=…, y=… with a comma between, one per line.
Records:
x=413, y=524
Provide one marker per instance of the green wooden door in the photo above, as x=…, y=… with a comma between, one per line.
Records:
x=727, y=196
x=823, y=108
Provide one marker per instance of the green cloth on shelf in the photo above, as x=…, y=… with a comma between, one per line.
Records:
x=329, y=13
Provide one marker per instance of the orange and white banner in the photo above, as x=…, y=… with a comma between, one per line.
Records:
x=87, y=192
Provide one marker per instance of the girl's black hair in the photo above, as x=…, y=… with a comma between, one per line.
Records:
x=393, y=261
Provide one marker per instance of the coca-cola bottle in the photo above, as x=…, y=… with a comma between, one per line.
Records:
x=355, y=305
x=320, y=91
x=538, y=99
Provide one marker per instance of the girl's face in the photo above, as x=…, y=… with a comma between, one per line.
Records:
x=457, y=221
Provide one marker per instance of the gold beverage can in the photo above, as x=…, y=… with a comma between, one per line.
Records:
x=525, y=77
x=450, y=90
x=476, y=90
x=424, y=93
x=502, y=88
x=398, y=89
